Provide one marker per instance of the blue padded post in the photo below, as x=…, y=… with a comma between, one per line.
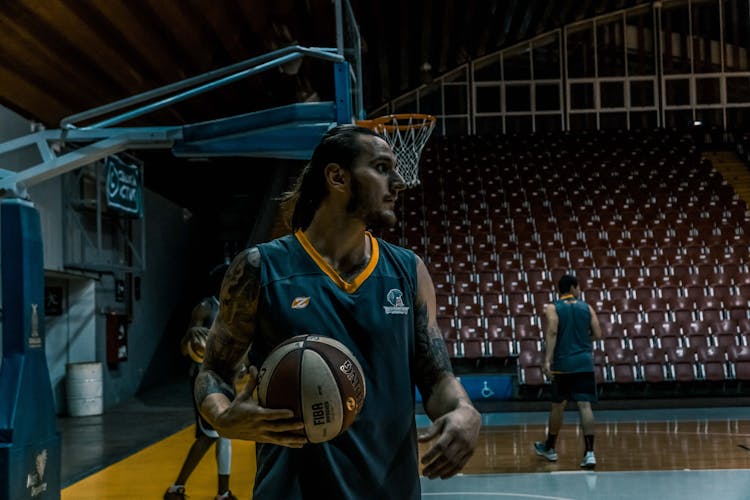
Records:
x=29, y=441
x=343, y=93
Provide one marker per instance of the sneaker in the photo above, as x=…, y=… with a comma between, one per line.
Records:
x=226, y=496
x=589, y=460
x=178, y=494
x=542, y=451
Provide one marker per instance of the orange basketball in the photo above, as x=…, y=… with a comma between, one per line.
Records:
x=319, y=379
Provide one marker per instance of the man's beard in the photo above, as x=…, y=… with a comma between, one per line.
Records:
x=373, y=219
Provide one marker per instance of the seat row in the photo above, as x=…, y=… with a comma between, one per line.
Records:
x=655, y=366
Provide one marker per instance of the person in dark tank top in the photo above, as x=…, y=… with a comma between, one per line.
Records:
x=193, y=346
x=570, y=328
x=332, y=277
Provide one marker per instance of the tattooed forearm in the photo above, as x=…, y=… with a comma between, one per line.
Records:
x=209, y=382
x=225, y=348
x=234, y=327
x=432, y=361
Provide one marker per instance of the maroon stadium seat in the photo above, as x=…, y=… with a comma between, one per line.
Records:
x=491, y=307
x=472, y=341
x=642, y=292
x=466, y=287
x=444, y=299
x=654, y=304
x=653, y=363
x=708, y=302
x=500, y=347
x=683, y=316
x=524, y=329
x=669, y=291
x=601, y=368
x=708, y=314
x=682, y=361
x=530, y=368
x=624, y=367
x=712, y=363
x=668, y=335
x=739, y=359
x=695, y=292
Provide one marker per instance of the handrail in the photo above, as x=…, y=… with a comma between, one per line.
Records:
x=235, y=71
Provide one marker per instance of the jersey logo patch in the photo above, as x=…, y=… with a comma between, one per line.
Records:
x=300, y=302
x=395, y=298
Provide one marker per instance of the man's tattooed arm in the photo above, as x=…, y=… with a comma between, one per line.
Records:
x=432, y=361
x=232, y=331
x=455, y=422
x=440, y=390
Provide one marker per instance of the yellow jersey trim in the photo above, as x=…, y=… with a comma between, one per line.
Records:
x=331, y=272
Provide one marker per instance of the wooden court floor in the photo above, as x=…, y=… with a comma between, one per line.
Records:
x=147, y=473
x=711, y=439
x=627, y=446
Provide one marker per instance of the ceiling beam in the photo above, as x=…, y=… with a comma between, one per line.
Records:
x=426, y=24
x=402, y=52
x=27, y=96
x=586, y=11
x=507, y=19
x=445, y=39
x=466, y=30
x=568, y=13
x=551, y=16
x=47, y=54
x=521, y=17
x=380, y=64
x=116, y=26
x=532, y=23
x=487, y=28
x=174, y=21
x=189, y=53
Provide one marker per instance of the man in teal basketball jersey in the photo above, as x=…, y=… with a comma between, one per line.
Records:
x=569, y=330
x=332, y=277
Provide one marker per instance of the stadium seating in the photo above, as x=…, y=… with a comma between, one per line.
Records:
x=658, y=241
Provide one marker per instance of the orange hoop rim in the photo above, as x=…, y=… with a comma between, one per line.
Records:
x=412, y=120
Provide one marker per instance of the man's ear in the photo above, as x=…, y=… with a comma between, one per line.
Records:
x=335, y=175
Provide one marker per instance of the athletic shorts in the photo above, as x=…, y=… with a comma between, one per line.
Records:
x=580, y=386
x=202, y=428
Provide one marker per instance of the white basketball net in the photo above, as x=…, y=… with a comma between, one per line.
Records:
x=407, y=135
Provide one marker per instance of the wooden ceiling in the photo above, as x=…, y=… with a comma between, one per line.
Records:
x=61, y=57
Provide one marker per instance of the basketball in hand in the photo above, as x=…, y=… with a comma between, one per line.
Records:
x=319, y=379
x=195, y=343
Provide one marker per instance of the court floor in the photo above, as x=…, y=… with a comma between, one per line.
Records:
x=643, y=454
x=665, y=454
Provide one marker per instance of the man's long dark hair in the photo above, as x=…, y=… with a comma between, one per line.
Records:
x=339, y=145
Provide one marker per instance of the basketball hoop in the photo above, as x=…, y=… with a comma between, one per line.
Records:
x=406, y=134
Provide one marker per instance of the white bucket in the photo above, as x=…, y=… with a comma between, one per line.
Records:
x=84, y=389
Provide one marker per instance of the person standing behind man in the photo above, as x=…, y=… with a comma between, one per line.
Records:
x=332, y=277
x=570, y=328
x=193, y=345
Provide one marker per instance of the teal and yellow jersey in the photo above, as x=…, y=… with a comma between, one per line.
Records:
x=374, y=317
x=574, y=347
